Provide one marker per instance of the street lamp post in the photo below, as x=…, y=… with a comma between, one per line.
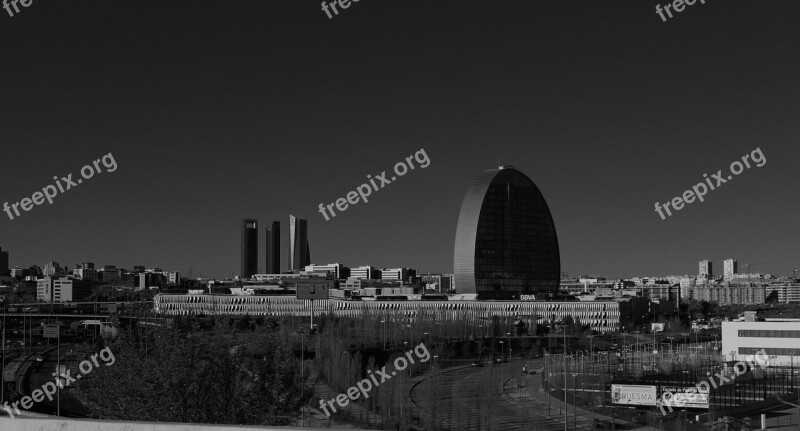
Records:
x=384, y=333
x=574, y=402
x=566, y=406
x=3, y=364
x=435, y=386
x=405, y=343
x=502, y=369
x=302, y=375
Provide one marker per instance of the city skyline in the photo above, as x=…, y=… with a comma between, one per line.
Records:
x=604, y=123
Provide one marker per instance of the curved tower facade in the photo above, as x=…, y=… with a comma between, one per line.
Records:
x=506, y=243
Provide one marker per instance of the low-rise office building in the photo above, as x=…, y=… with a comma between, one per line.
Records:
x=602, y=316
x=780, y=339
x=62, y=289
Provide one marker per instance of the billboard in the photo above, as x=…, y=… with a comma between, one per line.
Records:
x=51, y=331
x=656, y=327
x=312, y=291
x=690, y=397
x=633, y=395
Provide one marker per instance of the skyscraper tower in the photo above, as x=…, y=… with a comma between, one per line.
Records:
x=706, y=268
x=274, y=248
x=506, y=243
x=730, y=267
x=249, y=247
x=4, y=263
x=300, y=252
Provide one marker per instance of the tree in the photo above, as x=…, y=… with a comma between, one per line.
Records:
x=772, y=298
x=171, y=374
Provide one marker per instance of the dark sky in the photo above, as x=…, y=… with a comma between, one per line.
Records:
x=217, y=111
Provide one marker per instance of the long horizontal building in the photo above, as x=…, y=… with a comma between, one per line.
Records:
x=602, y=316
x=726, y=295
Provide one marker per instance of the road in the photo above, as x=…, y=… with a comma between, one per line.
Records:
x=43, y=373
x=474, y=399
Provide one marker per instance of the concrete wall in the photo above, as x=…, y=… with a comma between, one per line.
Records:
x=39, y=424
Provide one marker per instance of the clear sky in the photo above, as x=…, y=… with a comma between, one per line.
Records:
x=218, y=111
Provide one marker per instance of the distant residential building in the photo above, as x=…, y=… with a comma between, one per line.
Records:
x=166, y=276
x=705, y=269
x=62, y=289
x=399, y=274
x=110, y=274
x=274, y=248
x=52, y=269
x=746, y=278
x=730, y=267
x=366, y=272
x=300, y=252
x=275, y=277
x=687, y=286
x=355, y=284
x=19, y=272
x=727, y=295
x=249, y=250
x=788, y=292
x=585, y=285
x=441, y=283
x=4, y=270
x=85, y=271
x=151, y=278
x=660, y=290
x=337, y=270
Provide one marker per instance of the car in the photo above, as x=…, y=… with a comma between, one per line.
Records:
x=478, y=364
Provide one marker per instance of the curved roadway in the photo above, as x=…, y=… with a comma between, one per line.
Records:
x=487, y=398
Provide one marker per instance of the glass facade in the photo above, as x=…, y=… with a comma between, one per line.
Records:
x=768, y=333
x=506, y=243
x=249, y=247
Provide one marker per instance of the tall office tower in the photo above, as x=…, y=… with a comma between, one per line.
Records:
x=300, y=252
x=506, y=243
x=730, y=267
x=705, y=268
x=274, y=248
x=249, y=248
x=52, y=268
x=4, y=263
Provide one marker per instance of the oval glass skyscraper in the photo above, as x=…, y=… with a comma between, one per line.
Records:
x=506, y=243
